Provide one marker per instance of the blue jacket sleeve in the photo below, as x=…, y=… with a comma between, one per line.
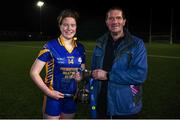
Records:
x=137, y=70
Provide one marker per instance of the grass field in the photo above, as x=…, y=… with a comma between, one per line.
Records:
x=20, y=98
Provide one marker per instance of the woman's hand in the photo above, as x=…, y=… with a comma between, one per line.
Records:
x=56, y=94
x=77, y=76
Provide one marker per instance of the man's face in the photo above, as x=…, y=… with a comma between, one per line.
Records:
x=115, y=21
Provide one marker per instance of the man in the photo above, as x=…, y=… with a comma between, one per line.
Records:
x=119, y=65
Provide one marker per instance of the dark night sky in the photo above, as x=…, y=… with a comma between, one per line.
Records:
x=18, y=16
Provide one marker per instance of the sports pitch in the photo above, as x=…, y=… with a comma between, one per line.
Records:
x=20, y=98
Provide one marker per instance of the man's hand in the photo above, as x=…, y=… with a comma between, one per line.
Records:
x=99, y=74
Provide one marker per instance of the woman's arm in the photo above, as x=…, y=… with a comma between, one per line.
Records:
x=35, y=75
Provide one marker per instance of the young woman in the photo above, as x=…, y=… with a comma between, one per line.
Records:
x=63, y=57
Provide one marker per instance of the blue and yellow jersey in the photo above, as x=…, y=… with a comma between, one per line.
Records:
x=61, y=63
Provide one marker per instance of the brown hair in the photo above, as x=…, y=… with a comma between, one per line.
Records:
x=67, y=13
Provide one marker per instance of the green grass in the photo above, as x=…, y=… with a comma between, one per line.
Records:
x=20, y=98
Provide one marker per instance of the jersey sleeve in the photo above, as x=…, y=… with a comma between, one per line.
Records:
x=44, y=54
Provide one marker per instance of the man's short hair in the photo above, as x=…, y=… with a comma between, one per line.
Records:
x=116, y=8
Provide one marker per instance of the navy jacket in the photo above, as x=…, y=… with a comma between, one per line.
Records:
x=128, y=73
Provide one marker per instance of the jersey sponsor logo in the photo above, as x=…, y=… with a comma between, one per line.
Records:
x=61, y=60
x=68, y=72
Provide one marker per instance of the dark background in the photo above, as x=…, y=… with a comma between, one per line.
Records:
x=24, y=17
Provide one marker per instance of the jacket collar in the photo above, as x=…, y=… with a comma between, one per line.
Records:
x=126, y=41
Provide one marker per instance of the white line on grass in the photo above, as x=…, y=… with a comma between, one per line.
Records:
x=160, y=56
x=89, y=51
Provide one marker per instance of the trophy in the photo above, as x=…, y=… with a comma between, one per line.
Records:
x=85, y=74
x=83, y=88
x=82, y=92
